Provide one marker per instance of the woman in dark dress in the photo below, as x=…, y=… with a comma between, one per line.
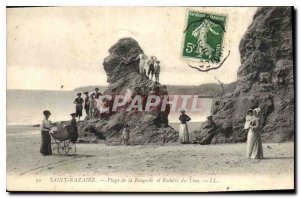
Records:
x=46, y=139
x=183, y=131
x=74, y=131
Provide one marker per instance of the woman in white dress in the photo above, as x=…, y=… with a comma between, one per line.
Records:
x=183, y=131
x=254, y=143
x=249, y=117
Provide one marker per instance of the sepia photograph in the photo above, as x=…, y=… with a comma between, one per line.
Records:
x=150, y=99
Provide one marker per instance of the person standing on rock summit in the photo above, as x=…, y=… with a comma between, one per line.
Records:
x=151, y=66
x=183, y=131
x=142, y=57
x=157, y=70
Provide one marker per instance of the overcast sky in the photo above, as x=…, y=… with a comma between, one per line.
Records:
x=50, y=47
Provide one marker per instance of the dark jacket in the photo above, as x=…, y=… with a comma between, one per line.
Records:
x=184, y=118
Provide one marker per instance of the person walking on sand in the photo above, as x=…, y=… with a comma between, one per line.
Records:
x=142, y=57
x=151, y=66
x=74, y=131
x=183, y=131
x=45, y=130
x=87, y=103
x=157, y=71
x=125, y=135
x=254, y=143
x=78, y=101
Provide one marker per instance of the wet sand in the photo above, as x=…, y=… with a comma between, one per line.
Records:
x=225, y=164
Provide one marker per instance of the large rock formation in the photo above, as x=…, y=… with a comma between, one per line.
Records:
x=122, y=69
x=265, y=80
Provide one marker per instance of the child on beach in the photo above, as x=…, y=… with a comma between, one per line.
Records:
x=125, y=135
x=46, y=139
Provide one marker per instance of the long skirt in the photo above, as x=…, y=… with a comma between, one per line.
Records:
x=45, y=143
x=183, y=134
x=254, y=145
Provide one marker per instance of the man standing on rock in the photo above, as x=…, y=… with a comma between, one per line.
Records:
x=157, y=71
x=92, y=105
x=142, y=57
x=78, y=101
x=97, y=93
x=87, y=103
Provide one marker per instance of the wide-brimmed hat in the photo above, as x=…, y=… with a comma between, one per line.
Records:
x=250, y=110
x=46, y=112
x=86, y=92
x=182, y=110
x=73, y=114
x=78, y=94
x=157, y=61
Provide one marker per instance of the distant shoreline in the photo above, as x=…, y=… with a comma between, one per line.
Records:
x=208, y=90
x=75, y=91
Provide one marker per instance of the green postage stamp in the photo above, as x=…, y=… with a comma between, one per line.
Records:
x=204, y=36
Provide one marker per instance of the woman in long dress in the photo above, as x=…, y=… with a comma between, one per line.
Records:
x=254, y=143
x=183, y=131
x=73, y=136
x=45, y=148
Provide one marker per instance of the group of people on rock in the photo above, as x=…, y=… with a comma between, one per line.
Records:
x=92, y=104
x=153, y=66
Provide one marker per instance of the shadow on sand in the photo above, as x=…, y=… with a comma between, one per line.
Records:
x=270, y=158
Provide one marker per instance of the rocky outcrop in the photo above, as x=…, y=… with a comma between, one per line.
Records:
x=122, y=69
x=265, y=80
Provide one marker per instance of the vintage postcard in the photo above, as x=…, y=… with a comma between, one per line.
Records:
x=150, y=99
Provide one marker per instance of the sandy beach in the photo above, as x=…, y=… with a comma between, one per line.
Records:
x=215, y=167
